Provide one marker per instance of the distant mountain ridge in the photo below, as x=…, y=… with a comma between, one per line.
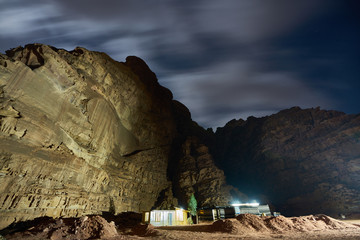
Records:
x=304, y=160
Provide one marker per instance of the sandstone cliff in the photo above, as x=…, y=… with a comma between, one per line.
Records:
x=305, y=161
x=81, y=134
x=192, y=168
x=197, y=174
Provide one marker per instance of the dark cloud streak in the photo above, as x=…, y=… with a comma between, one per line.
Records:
x=224, y=60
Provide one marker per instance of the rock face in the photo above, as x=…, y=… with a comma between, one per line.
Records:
x=192, y=168
x=81, y=134
x=305, y=161
x=198, y=174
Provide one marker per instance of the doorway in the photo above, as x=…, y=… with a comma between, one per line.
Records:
x=170, y=219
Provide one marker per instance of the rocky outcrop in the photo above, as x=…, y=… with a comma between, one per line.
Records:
x=197, y=174
x=80, y=134
x=166, y=199
x=305, y=161
x=192, y=169
x=83, y=134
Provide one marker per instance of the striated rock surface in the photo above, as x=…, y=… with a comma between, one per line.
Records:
x=82, y=134
x=305, y=161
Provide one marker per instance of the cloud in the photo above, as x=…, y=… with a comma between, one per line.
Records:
x=17, y=21
x=126, y=46
x=175, y=26
x=215, y=56
x=253, y=20
x=237, y=90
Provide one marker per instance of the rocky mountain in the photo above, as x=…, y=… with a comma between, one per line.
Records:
x=82, y=134
x=304, y=161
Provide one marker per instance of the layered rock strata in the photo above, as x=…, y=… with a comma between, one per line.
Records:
x=80, y=134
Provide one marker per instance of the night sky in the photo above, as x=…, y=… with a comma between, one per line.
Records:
x=222, y=59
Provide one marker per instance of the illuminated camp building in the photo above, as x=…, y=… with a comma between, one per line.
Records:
x=253, y=208
x=215, y=213
x=166, y=217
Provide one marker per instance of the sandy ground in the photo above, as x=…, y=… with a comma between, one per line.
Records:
x=353, y=221
x=251, y=227
x=245, y=226
x=193, y=232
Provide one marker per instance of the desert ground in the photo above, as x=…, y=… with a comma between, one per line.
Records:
x=244, y=226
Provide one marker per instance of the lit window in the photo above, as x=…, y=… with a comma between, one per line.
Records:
x=158, y=217
x=152, y=216
x=180, y=215
x=146, y=217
